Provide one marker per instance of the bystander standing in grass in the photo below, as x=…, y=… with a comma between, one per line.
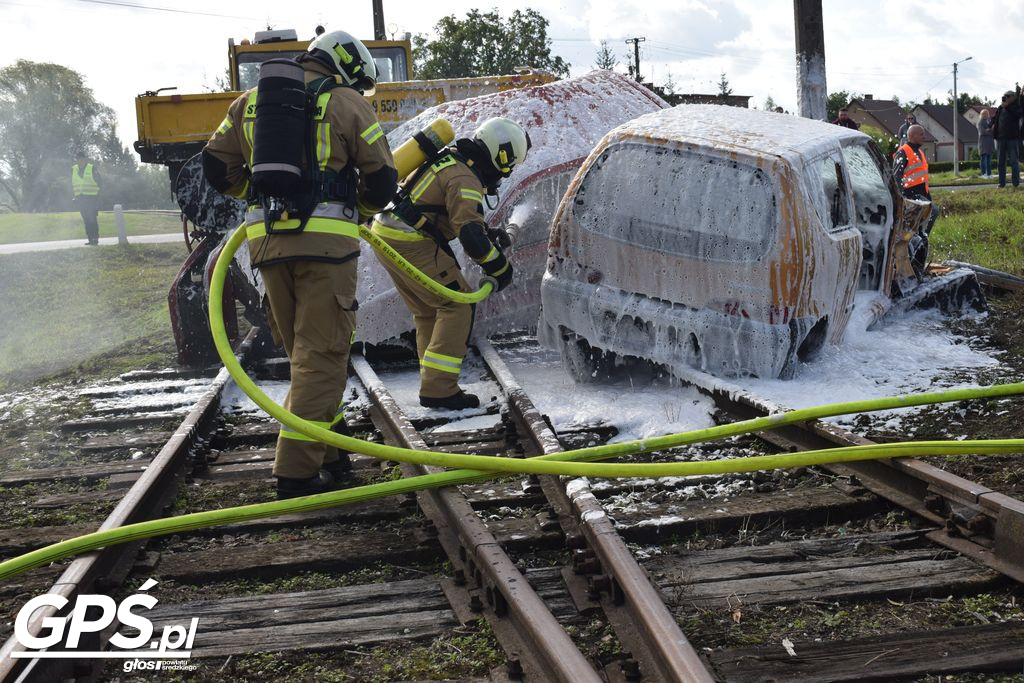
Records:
x=908, y=121
x=986, y=142
x=1007, y=131
x=85, y=185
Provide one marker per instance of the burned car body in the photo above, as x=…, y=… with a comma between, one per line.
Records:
x=729, y=240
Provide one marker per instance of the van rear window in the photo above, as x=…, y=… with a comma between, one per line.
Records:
x=678, y=202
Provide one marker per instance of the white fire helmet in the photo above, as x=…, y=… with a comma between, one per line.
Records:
x=349, y=57
x=505, y=141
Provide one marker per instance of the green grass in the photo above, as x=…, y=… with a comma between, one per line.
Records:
x=44, y=227
x=984, y=227
x=92, y=311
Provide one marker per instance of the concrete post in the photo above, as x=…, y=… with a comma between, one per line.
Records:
x=122, y=236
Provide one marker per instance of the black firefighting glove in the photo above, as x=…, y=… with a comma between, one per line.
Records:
x=500, y=237
x=500, y=269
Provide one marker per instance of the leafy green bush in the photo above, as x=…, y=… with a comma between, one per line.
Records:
x=885, y=142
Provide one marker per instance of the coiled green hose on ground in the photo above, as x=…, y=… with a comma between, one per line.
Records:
x=479, y=467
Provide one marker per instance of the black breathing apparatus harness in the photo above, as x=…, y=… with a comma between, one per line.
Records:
x=287, y=179
x=413, y=214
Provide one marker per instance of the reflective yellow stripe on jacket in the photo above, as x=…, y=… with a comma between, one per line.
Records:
x=329, y=219
x=399, y=234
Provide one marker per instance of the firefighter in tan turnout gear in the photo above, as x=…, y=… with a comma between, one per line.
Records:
x=443, y=200
x=307, y=152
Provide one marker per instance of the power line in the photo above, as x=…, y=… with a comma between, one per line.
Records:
x=137, y=5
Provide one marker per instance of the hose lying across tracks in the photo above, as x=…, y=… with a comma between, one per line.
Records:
x=480, y=467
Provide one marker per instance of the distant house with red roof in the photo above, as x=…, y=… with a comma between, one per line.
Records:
x=887, y=116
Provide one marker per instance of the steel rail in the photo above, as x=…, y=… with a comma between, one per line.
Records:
x=539, y=646
x=978, y=522
x=104, y=569
x=659, y=646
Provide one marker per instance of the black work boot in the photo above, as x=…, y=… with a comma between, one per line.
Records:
x=341, y=468
x=459, y=401
x=295, y=488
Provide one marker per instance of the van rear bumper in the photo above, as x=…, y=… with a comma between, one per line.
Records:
x=667, y=333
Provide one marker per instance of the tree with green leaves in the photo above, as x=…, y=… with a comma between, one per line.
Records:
x=605, y=58
x=965, y=101
x=47, y=115
x=769, y=104
x=836, y=101
x=483, y=44
x=724, y=89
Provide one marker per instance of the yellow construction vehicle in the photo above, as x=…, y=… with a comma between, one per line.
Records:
x=173, y=128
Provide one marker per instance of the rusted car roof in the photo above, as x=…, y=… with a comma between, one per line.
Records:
x=749, y=131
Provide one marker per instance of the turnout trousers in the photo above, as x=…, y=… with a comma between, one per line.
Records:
x=312, y=315
x=442, y=326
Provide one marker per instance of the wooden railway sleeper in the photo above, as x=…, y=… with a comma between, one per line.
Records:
x=990, y=534
x=637, y=613
x=525, y=627
x=146, y=499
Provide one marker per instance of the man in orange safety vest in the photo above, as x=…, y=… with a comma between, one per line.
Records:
x=910, y=169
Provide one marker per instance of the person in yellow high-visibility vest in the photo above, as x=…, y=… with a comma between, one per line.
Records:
x=85, y=186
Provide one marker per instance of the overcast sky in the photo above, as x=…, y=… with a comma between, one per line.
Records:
x=904, y=48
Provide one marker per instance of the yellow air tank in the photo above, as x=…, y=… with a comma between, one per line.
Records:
x=414, y=151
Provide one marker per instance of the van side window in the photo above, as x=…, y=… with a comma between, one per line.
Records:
x=678, y=202
x=835, y=214
x=872, y=205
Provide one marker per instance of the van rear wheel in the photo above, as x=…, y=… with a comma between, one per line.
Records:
x=585, y=363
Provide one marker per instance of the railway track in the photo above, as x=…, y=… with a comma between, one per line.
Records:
x=542, y=578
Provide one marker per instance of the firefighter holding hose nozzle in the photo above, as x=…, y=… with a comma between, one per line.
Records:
x=440, y=201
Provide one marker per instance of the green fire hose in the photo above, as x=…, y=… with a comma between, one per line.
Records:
x=479, y=467
x=422, y=278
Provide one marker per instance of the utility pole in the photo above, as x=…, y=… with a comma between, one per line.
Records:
x=378, y=20
x=811, y=94
x=956, y=117
x=636, y=56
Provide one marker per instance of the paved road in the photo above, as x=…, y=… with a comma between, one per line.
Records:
x=25, y=247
